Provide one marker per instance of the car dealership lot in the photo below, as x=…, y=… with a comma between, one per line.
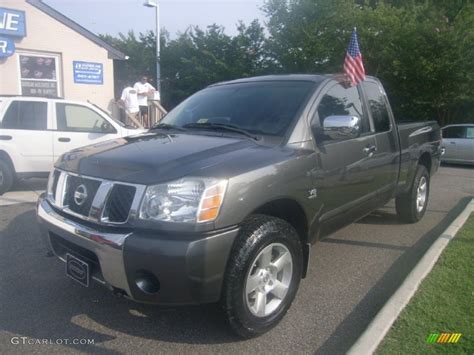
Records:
x=352, y=274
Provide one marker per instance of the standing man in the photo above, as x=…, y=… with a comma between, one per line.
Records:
x=129, y=101
x=144, y=89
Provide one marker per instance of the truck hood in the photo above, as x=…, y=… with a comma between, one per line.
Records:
x=156, y=157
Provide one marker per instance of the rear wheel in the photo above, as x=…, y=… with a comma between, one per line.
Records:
x=411, y=206
x=6, y=177
x=263, y=275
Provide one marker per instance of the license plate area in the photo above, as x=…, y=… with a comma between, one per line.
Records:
x=78, y=270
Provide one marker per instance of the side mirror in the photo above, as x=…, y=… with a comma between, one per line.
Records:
x=342, y=127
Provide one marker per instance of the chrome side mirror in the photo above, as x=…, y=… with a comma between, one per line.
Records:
x=342, y=127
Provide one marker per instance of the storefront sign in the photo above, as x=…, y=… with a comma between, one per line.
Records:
x=38, y=75
x=7, y=47
x=12, y=22
x=88, y=73
x=39, y=88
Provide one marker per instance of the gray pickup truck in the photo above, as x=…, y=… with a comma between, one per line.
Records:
x=223, y=199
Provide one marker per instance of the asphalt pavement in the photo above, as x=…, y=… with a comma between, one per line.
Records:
x=352, y=274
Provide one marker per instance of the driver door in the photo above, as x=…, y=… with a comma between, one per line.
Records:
x=78, y=126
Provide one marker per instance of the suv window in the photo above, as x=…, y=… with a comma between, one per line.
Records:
x=470, y=132
x=76, y=118
x=345, y=101
x=30, y=115
x=454, y=132
x=377, y=106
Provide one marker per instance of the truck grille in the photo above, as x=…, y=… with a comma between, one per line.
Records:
x=119, y=203
x=93, y=199
x=88, y=189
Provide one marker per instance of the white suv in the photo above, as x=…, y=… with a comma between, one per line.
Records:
x=35, y=131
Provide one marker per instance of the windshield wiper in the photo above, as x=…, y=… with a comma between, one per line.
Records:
x=222, y=126
x=167, y=126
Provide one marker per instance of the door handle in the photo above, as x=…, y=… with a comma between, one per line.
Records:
x=369, y=150
x=452, y=142
x=64, y=139
x=6, y=138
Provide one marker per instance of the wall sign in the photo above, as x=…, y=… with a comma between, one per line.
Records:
x=88, y=73
x=7, y=47
x=12, y=22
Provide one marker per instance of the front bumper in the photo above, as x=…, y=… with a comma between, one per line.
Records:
x=189, y=268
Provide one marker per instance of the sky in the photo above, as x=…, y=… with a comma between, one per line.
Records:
x=114, y=16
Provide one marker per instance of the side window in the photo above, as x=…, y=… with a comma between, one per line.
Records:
x=340, y=100
x=76, y=118
x=377, y=106
x=28, y=115
x=454, y=132
x=470, y=132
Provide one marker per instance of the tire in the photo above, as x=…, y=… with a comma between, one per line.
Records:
x=7, y=177
x=258, y=235
x=410, y=206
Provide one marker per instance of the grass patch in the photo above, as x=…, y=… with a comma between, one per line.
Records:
x=444, y=303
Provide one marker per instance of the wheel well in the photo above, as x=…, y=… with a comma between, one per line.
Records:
x=425, y=160
x=6, y=158
x=291, y=212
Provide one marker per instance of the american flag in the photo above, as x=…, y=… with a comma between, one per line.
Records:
x=353, y=66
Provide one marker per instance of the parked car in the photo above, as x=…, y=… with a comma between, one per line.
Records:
x=35, y=131
x=222, y=201
x=458, y=143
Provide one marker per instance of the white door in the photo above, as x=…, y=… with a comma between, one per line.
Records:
x=466, y=147
x=452, y=138
x=26, y=124
x=77, y=126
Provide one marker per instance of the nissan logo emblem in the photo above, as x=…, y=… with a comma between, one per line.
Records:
x=80, y=195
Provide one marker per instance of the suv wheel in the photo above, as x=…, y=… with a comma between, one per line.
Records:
x=6, y=177
x=263, y=275
x=411, y=206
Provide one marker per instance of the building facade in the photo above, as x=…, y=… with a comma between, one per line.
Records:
x=44, y=53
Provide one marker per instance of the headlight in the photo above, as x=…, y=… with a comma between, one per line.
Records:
x=187, y=200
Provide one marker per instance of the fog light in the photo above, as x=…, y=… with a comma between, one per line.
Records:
x=147, y=282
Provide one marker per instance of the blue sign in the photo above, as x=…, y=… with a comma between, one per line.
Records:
x=7, y=47
x=88, y=73
x=12, y=22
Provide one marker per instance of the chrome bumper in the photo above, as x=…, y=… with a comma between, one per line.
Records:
x=107, y=246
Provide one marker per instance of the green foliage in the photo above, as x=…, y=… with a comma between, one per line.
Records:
x=421, y=50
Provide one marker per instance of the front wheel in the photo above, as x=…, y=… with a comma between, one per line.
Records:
x=411, y=206
x=6, y=177
x=263, y=275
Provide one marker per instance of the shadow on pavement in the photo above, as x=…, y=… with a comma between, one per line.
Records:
x=344, y=336
x=33, y=184
x=38, y=301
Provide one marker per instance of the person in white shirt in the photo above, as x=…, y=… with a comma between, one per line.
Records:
x=129, y=101
x=144, y=90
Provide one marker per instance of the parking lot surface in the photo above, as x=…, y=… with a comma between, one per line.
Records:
x=352, y=274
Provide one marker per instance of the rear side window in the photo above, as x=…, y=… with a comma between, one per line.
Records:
x=470, y=132
x=377, y=106
x=29, y=115
x=454, y=132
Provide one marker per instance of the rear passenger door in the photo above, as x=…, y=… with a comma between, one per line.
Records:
x=385, y=160
x=466, y=147
x=342, y=172
x=453, y=137
x=78, y=126
x=28, y=123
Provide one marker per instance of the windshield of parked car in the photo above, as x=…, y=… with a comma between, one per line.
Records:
x=266, y=108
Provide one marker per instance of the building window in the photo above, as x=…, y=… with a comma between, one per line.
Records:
x=39, y=75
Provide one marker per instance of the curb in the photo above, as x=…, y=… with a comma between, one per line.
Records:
x=381, y=324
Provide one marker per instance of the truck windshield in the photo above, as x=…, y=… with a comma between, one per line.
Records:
x=266, y=108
